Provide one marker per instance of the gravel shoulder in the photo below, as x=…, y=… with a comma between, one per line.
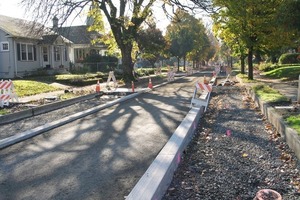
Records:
x=234, y=154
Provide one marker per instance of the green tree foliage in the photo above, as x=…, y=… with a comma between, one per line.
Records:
x=202, y=49
x=125, y=18
x=249, y=24
x=186, y=35
x=151, y=43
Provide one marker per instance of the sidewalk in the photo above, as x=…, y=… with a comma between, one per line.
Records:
x=90, y=88
x=287, y=88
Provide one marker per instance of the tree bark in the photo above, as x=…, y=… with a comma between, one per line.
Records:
x=250, y=63
x=242, y=64
x=127, y=64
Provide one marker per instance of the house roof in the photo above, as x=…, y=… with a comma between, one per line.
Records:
x=15, y=27
x=50, y=39
x=78, y=34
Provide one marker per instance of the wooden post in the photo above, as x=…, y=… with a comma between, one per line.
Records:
x=298, y=99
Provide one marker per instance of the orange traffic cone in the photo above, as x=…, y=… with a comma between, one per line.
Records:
x=98, y=87
x=150, y=84
x=132, y=86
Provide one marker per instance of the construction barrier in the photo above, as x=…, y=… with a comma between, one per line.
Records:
x=158, y=71
x=217, y=70
x=201, y=95
x=7, y=93
x=189, y=70
x=111, y=76
x=171, y=75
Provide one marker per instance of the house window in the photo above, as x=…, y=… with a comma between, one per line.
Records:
x=23, y=52
x=26, y=52
x=45, y=54
x=30, y=51
x=4, y=46
x=57, y=53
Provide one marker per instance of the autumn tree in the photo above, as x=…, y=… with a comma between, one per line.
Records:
x=251, y=23
x=202, y=48
x=124, y=17
x=185, y=34
x=151, y=43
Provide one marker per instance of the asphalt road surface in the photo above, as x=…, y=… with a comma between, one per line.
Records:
x=101, y=156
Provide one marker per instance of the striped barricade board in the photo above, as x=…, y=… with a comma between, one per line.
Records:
x=7, y=93
x=171, y=75
x=201, y=95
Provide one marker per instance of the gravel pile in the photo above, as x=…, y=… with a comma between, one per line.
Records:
x=234, y=154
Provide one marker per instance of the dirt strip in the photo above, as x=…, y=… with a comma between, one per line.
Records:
x=235, y=153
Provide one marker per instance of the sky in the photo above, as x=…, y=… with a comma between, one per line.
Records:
x=12, y=8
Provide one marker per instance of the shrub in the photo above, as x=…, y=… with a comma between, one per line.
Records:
x=267, y=66
x=289, y=58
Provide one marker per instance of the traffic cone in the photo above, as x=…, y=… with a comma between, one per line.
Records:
x=132, y=86
x=150, y=84
x=98, y=87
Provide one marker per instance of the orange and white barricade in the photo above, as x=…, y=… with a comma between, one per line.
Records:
x=217, y=70
x=158, y=70
x=201, y=95
x=171, y=75
x=111, y=76
x=189, y=70
x=7, y=93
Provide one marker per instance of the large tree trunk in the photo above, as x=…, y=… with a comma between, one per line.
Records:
x=242, y=64
x=250, y=63
x=127, y=63
x=178, y=62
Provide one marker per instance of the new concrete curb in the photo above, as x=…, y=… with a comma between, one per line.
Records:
x=48, y=126
x=290, y=135
x=43, y=109
x=156, y=180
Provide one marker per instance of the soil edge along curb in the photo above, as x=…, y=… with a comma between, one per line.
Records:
x=290, y=135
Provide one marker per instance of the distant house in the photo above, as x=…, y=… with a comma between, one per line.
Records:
x=81, y=45
x=26, y=47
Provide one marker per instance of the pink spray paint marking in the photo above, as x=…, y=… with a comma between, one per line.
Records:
x=178, y=158
x=228, y=133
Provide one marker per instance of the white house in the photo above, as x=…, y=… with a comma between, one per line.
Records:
x=26, y=47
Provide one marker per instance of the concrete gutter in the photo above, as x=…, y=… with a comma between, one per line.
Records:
x=290, y=135
x=156, y=180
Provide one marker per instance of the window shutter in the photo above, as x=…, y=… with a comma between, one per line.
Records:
x=18, y=51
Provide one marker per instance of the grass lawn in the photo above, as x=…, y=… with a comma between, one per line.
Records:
x=29, y=87
x=294, y=122
x=284, y=73
x=268, y=94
